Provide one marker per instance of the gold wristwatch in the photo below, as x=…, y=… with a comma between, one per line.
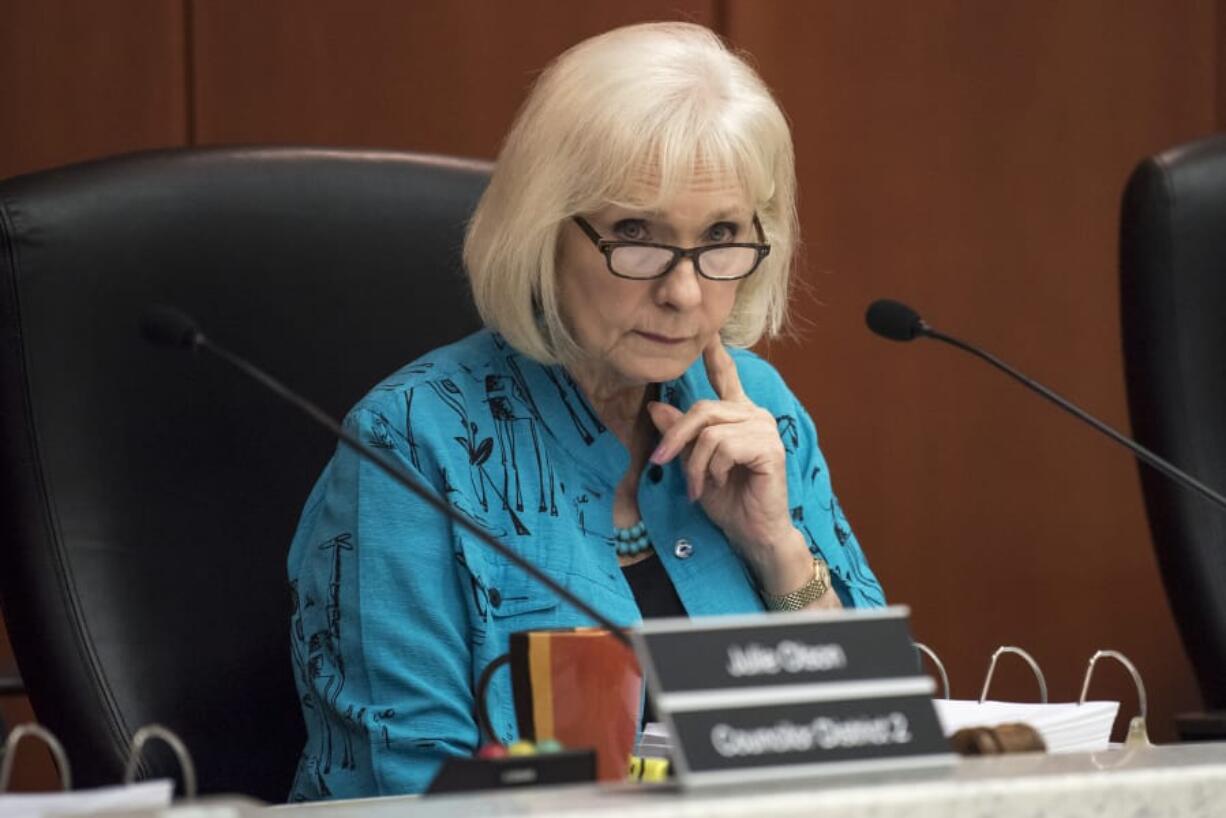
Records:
x=807, y=594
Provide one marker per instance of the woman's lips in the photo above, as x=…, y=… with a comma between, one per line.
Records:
x=661, y=339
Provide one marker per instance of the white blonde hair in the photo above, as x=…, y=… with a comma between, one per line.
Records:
x=661, y=99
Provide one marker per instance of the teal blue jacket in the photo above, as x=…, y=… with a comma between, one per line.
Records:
x=397, y=611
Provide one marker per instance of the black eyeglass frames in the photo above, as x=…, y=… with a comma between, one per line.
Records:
x=643, y=260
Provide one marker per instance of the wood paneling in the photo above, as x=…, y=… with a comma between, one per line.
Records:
x=83, y=80
x=33, y=768
x=1221, y=65
x=437, y=76
x=968, y=158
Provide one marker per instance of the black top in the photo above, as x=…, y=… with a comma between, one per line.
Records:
x=656, y=597
x=653, y=590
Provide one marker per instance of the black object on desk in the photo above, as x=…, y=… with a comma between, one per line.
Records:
x=465, y=774
x=1201, y=726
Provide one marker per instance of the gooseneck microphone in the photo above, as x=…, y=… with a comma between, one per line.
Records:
x=169, y=327
x=898, y=322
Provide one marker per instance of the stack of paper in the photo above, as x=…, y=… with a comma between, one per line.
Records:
x=141, y=796
x=1065, y=728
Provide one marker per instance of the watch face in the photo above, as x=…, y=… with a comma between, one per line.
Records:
x=822, y=578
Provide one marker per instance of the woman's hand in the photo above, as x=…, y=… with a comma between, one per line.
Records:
x=736, y=466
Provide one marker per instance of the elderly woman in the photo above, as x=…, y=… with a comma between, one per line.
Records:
x=608, y=424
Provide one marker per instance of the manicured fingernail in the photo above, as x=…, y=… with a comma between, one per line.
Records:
x=657, y=456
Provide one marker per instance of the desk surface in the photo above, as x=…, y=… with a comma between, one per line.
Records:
x=1187, y=780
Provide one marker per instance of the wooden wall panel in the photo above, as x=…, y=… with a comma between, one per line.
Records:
x=34, y=769
x=83, y=80
x=436, y=76
x=1221, y=65
x=968, y=158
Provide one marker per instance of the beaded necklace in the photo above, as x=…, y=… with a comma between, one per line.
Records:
x=632, y=540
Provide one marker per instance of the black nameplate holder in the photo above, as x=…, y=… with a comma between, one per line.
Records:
x=466, y=774
x=776, y=696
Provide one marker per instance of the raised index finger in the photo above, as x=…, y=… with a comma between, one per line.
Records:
x=721, y=371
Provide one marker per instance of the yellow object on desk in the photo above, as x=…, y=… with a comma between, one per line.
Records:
x=648, y=769
x=522, y=748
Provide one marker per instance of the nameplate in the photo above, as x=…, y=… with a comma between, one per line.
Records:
x=781, y=649
x=773, y=696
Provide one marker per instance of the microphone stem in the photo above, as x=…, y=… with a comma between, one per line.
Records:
x=402, y=476
x=1146, y=456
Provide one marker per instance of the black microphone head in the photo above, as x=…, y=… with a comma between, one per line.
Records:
x=169, y=327
x=894, y=320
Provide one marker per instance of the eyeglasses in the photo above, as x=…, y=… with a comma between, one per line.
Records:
x=641, y=260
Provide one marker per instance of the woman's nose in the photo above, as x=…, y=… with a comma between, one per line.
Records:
x=681, y=287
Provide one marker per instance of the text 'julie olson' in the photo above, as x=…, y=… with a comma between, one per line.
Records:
x=754, y=659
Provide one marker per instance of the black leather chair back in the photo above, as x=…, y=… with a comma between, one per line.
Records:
x=149, y=497
x=1173, y=294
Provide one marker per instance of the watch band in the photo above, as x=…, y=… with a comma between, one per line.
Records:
x=805, y=595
